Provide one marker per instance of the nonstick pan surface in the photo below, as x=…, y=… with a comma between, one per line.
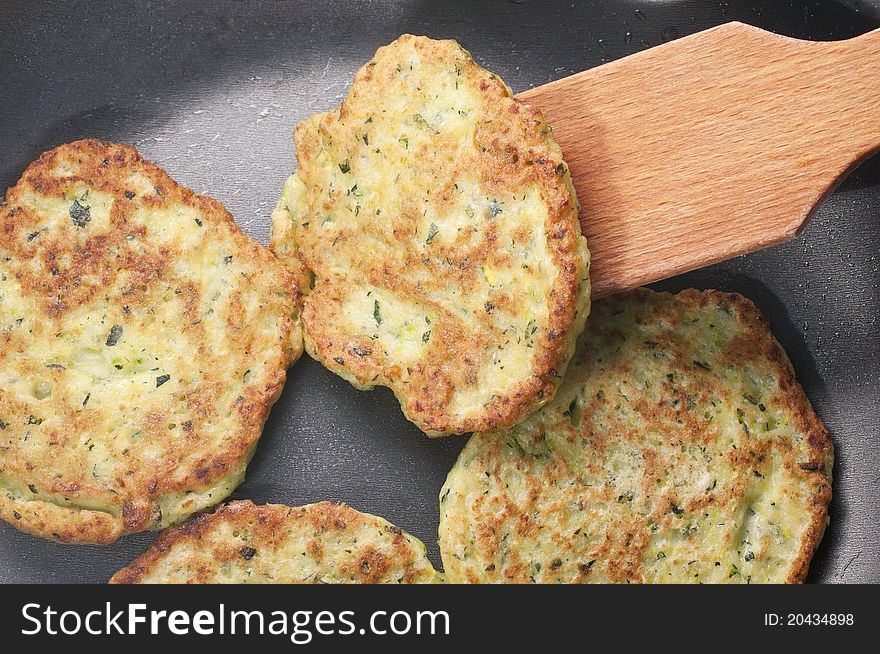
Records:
x=211, y=92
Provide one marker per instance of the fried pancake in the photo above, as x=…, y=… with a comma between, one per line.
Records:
x=143, y=339
x=277, y=544
x=680, y=448
x=438, y=228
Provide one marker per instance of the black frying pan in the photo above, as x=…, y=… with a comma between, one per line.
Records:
x=211, y=91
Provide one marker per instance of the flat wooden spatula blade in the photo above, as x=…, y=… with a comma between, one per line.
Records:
x=710, y=146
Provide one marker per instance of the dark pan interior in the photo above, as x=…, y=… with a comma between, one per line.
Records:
x=212, y=91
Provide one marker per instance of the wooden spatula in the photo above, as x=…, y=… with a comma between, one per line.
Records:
x=710, y=146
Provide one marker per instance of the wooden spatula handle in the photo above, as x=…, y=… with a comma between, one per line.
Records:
x=836, y=84
x=710, y=146
x=853, y=91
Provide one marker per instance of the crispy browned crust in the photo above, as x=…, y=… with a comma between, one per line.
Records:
x=113, y=271
x=512, y=151
x=271, y=530
x=758, y=341
x=552, y=453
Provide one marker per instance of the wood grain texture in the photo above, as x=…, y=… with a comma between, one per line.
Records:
x=710, y=146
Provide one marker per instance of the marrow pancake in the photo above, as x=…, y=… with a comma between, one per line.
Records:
x=276, y=544
x=437, y=229
x=143, y=339
x=680, y=448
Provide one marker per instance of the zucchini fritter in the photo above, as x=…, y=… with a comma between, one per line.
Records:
x=680, y=448
x=143, y=339
x=277, y=544
x=438, y=230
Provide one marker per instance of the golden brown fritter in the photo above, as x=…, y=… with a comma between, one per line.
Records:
x=680, y=448
x=143, y=339
x=438, y=228
x=276, y=544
